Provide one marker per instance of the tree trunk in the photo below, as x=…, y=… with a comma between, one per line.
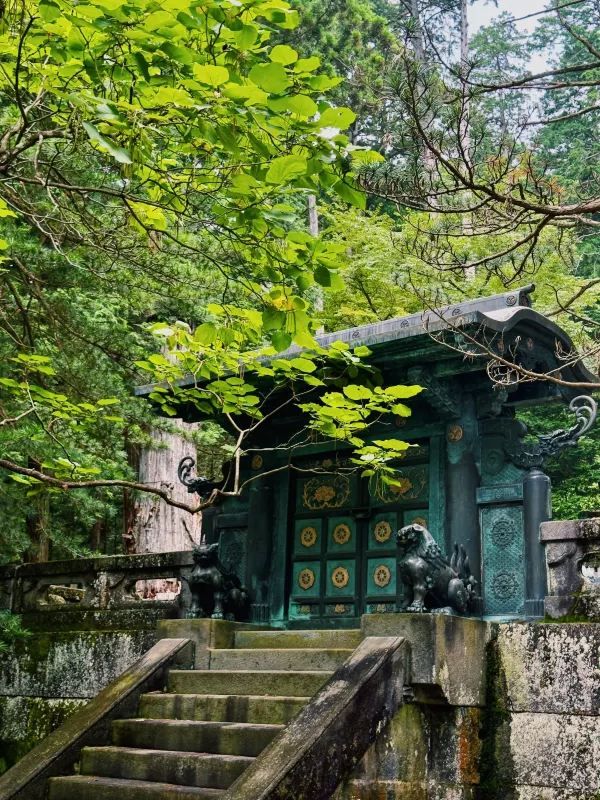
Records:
x=153, y=526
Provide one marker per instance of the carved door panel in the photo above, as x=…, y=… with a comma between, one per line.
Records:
x=326, y=547
x=392, y=507
x=343, y=554
x=503, y=557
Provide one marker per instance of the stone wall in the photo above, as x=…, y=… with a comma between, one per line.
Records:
x=536, y=736
x=88, y=623
x=47, y=677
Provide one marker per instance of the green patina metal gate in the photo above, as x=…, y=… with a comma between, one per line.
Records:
x=343, y=552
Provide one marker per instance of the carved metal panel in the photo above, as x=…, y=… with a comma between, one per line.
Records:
x=326, y=492
x=307, y=537
x=341, y=535
x=503, y=559
x=382, y=529
x=341, y=578
x=381, y=577
x=344, y=549
x=306, y=580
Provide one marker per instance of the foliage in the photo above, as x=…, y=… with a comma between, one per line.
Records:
x=11, y=630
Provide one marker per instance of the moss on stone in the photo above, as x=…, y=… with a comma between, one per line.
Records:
x=497, y=769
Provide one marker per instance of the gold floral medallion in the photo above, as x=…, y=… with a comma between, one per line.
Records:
x=340, y=577
x=308, y=536
x=318, y=495
x=420, y=521
x=257, y=462
x=455, y=433
x=304, y=609
x=382, y=531
x=306, y=579
x=341, y=534
x=382, y=575
x=339, y=608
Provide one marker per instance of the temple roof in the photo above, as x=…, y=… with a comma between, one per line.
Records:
x=490, y=318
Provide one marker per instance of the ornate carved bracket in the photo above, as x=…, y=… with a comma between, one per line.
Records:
x=530, y=455
x=201, y=486
x=442, y=395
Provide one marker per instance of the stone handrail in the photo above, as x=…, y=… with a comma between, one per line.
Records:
x=96, y=584
x=319, y=748
x=91, y=725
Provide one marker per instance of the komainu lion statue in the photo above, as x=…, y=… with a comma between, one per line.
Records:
x=436, y=584
x=216, y=592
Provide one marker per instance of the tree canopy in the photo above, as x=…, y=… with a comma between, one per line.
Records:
x=156, y=160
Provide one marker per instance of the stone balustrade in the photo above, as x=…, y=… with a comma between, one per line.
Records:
x=107, y=583
x=573, y=568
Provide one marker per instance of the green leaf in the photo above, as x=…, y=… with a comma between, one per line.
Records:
x=273, y=319
x=402, y=392
x=286, y=168
x=401, y=410
x=392, y=444
x=283, y=54
x=120, y=155
x=281, y=340
x=303, y=364
x=307, y=64
x=323, y=276
x=205, y=333
x=341, y=118
x=353, y=196
x=299, y=104
x=246, y=36
x=355, y=392
x=210, y=74
x=270, y=77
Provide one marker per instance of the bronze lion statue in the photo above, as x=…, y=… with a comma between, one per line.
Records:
x=435, y=582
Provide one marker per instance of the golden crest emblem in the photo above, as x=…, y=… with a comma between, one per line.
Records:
x=341, y=534
x=340, y=577
x=382, y=531
x=257, y=462
x=306, y=579
x=318, y=494
x=382, y=575
x=308, y=536
x=339, y=609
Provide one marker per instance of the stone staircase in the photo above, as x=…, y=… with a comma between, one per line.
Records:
x=194, y=740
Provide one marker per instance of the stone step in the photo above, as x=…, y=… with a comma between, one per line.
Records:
x=166, y=766
x=226, y=738
x=256, y=709
x=345, y=639
x=89, y=787
x=286, y=659
x=273, y=683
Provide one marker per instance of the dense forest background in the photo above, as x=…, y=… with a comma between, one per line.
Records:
x=443, y=167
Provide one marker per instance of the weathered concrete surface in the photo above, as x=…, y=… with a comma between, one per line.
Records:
x=71, y=664
x=447, y=652
x=551, y=668
x=572, y=560
x=544, y=793
x=320, y=746
x=554, y=750
x=90, y=725
x=216, y=707
x=25, y=721
x=424, y=752
x=206, y=634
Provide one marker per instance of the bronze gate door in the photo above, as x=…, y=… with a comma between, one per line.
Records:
x=342, y=539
